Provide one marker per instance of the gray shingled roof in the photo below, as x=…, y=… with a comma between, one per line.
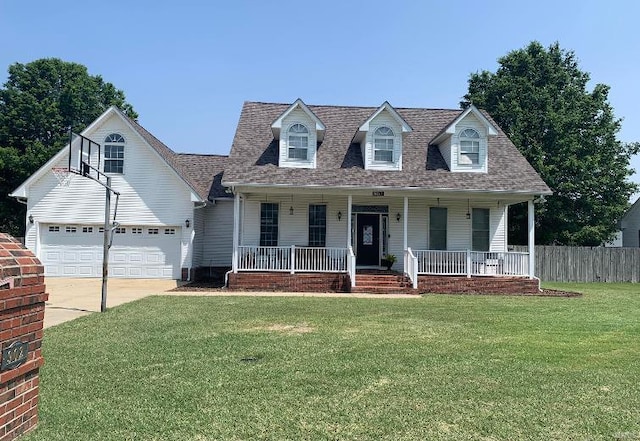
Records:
x=254, y=155
x=203, y=173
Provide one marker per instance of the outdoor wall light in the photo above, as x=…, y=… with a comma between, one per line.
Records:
x=187, y=223
x=291, y=210
x=31, y=218
x=398, y=217
x=339, y=216
x=468, y=209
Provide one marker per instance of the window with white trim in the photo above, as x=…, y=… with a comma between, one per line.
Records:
x=136, y=230
x=437, y=228
x=169, y=231
x=268, y=224
x=121, y=230
x=70, y=229
x=114, y=153
x=87, y=229
x=54, y=229
x=317, y=225
x=469, y=147
x=383, y=139
x=298, y=142
x=480, y=229
x=152, y=231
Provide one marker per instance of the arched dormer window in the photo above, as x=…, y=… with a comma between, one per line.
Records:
x=114, y=153
x=298, y=142
x=469, y=147
x=383, y=139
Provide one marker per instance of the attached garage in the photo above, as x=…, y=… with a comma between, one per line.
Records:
x=147, y=252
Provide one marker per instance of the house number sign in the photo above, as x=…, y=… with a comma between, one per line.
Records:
x=14, y=355
x=377, y=193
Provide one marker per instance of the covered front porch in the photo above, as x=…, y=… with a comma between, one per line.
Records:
x=331, y=235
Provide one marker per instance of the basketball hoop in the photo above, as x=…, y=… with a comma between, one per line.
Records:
x=62, y=175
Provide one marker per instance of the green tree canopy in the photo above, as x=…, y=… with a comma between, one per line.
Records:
x=539, y=97
x=38, y=104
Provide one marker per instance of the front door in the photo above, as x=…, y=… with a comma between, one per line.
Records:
x=368, y=246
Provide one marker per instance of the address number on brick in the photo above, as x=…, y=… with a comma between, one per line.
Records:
x=14, y=355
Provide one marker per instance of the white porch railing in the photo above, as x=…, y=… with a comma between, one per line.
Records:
x=472, y=263
x=411, y=267
x=292, y=259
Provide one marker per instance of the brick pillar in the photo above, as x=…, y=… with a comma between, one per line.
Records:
x=22, y=297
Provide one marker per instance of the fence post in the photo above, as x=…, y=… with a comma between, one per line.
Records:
x=469, y=264
x=293, y=259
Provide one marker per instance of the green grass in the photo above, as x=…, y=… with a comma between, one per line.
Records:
x=438, y=368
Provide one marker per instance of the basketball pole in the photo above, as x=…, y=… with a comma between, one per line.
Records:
x=105, y=244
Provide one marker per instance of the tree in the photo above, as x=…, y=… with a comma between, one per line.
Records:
x=539, y=97
x=38, y=104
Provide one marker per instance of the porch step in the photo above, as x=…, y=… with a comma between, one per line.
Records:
x=383, y=284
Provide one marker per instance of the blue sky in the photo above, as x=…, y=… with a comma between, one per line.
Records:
x=188, y=66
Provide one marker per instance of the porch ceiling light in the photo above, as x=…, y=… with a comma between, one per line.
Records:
x=398, y=217
x=339, y=216
x=468, y=209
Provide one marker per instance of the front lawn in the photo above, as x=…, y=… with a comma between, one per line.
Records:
x=434, y=368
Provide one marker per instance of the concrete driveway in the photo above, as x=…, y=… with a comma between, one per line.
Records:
x=72, y=298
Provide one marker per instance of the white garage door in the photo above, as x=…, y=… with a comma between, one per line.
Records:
x=137, y=251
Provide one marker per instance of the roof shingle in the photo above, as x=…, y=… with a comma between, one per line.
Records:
x=254, y=155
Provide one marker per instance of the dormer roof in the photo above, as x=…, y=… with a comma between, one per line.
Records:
x=364, y=127
x=276, y=126
x=450, y=129
x=253, y=160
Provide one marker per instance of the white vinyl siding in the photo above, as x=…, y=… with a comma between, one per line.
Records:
x=631, y=226
x=216, y=238
x=456, y=160
x=294, y=228
x=151, y=193
x=384, y=119
x=286, y=159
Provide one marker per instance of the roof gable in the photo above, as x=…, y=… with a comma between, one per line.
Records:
x=276, y=126
x=406, y=128
x=166, y=154
x=450, y=129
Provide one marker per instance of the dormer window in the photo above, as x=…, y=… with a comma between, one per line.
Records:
x=469, y=147
x=114, y=153
x=298, y=142
x=383, y=144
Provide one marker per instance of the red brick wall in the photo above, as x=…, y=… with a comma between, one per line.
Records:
x=21, y=319
x=299, y=282
x=482, y=285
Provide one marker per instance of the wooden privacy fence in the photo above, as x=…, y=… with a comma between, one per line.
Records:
x=586, y=264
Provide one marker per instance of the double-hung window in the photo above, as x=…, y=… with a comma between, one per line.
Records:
x=268, y=224
x=114, y=154
x=469, y=147
x=317, y=225
x=437, y=228
x=480, y=229
x=298, y=142
x=383, y=144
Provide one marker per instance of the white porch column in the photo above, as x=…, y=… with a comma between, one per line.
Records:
x=236, y=232
x=532, y=241
x=405, y=223
x=349, y=203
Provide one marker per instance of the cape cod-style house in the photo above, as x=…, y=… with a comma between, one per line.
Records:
x=309, y=198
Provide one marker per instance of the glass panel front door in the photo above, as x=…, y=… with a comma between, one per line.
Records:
x=368, y=237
